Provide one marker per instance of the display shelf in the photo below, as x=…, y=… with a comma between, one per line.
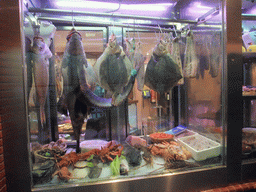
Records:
x=249, y=97
x=249, y=57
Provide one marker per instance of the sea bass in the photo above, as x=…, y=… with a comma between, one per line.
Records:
x=40, y=60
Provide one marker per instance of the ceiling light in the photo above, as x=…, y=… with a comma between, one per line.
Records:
x=106, y=5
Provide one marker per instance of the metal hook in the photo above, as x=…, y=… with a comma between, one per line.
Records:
x=138, y=37
x=160, y=28
x=188, y=33
x=73, y=21
x=36, y=28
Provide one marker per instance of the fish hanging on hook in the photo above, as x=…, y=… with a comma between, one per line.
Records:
x=162, y=72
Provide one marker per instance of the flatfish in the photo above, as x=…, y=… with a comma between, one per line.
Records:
x=162, y=71
x=77, y=98
x=113, y=67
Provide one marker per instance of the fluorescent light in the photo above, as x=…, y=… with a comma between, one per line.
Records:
x=147, y=7
x=105, y=5
x=198, y=9
x=198, y=5
x=86, y=4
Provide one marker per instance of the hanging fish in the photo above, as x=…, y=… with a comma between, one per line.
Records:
x=40, y=60
x=162, y=71
x=113, y=68
x=191, y=62
x=215, y=54
x=176, y=57
x=137, y=59
x=77, y=98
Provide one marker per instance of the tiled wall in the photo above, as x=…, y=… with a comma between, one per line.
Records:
x=3, y=187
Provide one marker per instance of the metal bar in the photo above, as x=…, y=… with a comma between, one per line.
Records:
x=113, y=15
x=208, y=15
x=203, y=18
x=248, y=17
x=105, y=24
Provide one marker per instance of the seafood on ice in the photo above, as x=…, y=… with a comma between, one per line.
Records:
x=106, y=154
x=170, y=150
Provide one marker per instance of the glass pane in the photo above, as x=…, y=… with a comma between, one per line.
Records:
x=132, y=97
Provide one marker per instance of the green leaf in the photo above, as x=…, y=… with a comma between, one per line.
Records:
x=115, y=166
x=122, y=157
x=47, y=154
x=90, y=164
x=90, y=158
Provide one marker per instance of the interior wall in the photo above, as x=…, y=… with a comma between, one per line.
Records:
x=12, y=98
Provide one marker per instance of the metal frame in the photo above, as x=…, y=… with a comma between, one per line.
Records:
x=233, y=78
x=112, y=15
x=190, y=181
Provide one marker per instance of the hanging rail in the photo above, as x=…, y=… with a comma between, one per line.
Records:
x=113, y=15
x=248, y=17
x=200, y=20
x=105, y=24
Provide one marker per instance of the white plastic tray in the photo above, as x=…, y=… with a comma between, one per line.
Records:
x=200, y=147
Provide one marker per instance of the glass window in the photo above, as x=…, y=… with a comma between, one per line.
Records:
x=125, y=96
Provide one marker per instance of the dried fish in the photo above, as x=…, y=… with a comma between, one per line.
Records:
x=215, y=55
x=191, y=62
x=176, y=57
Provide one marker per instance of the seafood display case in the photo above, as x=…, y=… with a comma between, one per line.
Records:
x=127, y=95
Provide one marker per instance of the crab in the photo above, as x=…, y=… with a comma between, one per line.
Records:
x=110, y=150
x=63, y=174
x=66, y=160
